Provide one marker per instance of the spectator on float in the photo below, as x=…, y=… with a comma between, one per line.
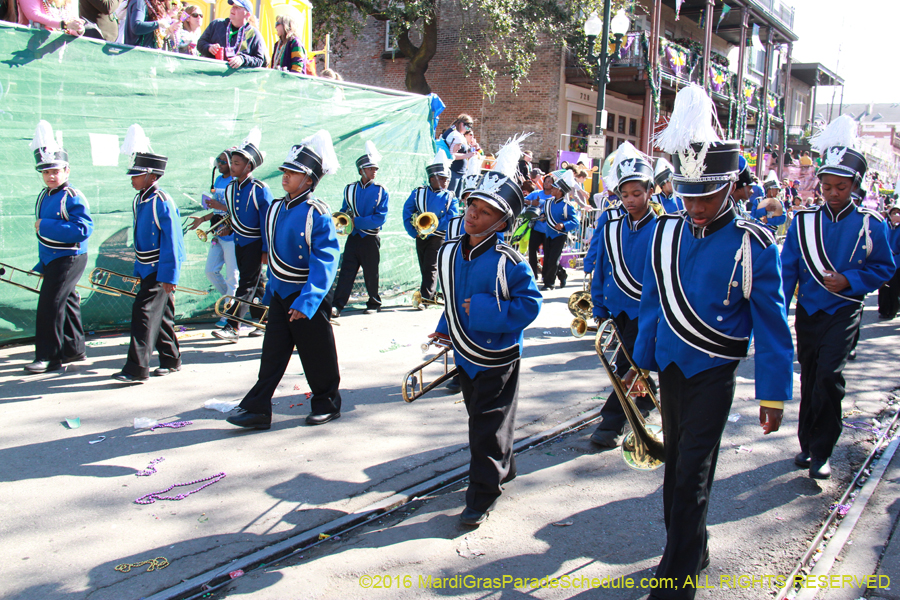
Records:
x=101, y=13
x=805, y=160
x=148, y=24
x=525, y=164
x=234, y=39
x=789, y=157
x=331, y=74
x=289, y=53
x=186, y=38
x=60, y=16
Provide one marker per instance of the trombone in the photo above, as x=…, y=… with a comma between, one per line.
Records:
x=414, y=377
x=11, y=271
x=100, y=279
x=643, y=448
x=425, y=223
x=421, y=303
x=224, y=222
x=343, y=223
x=226, y=303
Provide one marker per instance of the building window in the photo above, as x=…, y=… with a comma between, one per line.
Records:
x=609, y=145
x=610, y=122
x=632, y=127
x=621, y=125
x=390, y=38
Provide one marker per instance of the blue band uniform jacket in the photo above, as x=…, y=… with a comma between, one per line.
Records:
x=504, y=301
x=158, y=239
x=247, y=202
x=66, y=224
x=443, y=204
x=708, y=263
x=367, y=205
x=303, y=251
x=542, y=198
x=672, y=204
x=610, y=212
x=559, y=212
x=622, y=248
x=840, y=240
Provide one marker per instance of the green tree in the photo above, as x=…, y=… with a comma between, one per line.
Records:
x=497, y=37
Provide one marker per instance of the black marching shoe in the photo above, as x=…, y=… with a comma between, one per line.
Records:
x=802, y=460
x=126, y=378
x=852, y=355
x=547, y=288
x=470, y=516
x=242, y=418
x=227, y=333
x=77, y=358
x=453, y=386
x=256, y=332
x=606, y=438
x=43, y=366
x=372, y=311
x=563, y=278
x=322, y=419
x=819, y=469
x=163, y=371
x=705, y=563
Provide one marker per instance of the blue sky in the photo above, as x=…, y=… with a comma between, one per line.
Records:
x=858, y=40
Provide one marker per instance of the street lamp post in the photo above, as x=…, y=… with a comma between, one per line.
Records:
x=618, y=25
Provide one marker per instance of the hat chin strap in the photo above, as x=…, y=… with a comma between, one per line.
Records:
x=492, y=228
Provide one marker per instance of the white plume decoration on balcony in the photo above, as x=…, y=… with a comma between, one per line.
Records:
x=840, y=132
x=320, y=141
x=135, y=141
x=693, y=121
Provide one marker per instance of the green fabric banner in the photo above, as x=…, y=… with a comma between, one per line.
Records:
x=191, y=109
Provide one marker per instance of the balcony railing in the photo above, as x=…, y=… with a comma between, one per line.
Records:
x=779, y=10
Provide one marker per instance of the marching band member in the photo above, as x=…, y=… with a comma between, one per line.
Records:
x=303, y=251
x=838, y=252
x=666, y=196
x=491, y=297
x=712, y=281
x=159, y=252
x=743, y=187
x=433, y=198
x=889, y=293
x=367, y=204
x=63, y=225
x=535, y=202
x=611, y=208
x=623, y=244
x=247, y=200
x=560, y=219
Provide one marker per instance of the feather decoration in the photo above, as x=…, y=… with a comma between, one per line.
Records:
x=693, y=120
x=661, y=166
x=135, y=141
x=321, y=143
x=372, y=152
x=43, y=138
x=254, y=137
x=840, y=132
x=507, y=161
x=440, y=158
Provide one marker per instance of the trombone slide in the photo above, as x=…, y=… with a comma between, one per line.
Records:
x=414, y=379
x=222, y=311
x=100, y=279
x=10, y=272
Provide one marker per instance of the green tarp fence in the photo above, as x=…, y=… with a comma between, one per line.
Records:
x=191, y=109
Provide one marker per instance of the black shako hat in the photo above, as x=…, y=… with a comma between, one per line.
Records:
x=146, y=162
x=501, y=192
x=633, y=169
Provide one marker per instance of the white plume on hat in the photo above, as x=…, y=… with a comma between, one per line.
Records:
x=135, y=141
x=840, y=132
x=254, y=137
x=625, y=151
x=508, y=156
x=771, y=180
x=567, y=177
x=693, y=120
x=320, y=141
x=440, y=158
x=372, y=152
x=43, y=138
x=661, y=165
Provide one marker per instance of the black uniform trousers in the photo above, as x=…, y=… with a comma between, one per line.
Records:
x=612, y=416
x=889, y=297
x=314, y=340
x=695, y=411
x=152, y=326
x=427, y=252
x=553, y=248
x=249, y=267
x=359, y=251
x=58, y=333
x=490, y=399
x=823, y=343
x=535, y=239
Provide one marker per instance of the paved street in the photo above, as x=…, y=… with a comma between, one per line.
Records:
x=69, y=516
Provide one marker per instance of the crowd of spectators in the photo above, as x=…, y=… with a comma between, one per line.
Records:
x=172, y=26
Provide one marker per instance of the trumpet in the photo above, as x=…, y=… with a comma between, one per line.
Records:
x=343, y=223
x=11, y=271
x=643, y=448
x=425, y=223
x=414, y=377
x=100, y=279
x=214, y=229
x=226, y=303
x=421, y=303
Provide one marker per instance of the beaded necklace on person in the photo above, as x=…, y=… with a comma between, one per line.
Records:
x=59, y=9
x=238, y=33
